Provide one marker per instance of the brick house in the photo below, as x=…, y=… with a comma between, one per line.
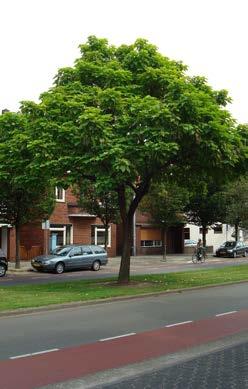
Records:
x=69, y=224
x=148, y=239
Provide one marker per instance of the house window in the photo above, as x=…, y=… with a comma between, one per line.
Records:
x=98, y=236
x=186, y=233
x=59, y=194
x=151, y=243
x=60, y=235
x=218, y=229
x=150, y=237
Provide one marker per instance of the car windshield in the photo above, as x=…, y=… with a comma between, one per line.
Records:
x=230, y=244
x=61, y=251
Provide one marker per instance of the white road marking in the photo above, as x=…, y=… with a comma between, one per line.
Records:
x=179, y=324
x=20, y=356
x=225, y=313
x=117, y=337
x=37, y=353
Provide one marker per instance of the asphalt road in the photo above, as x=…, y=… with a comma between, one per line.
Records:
x=32, y=333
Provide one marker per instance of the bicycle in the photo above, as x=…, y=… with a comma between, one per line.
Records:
x=199, y=255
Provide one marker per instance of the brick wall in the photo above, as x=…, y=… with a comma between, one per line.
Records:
x=33, y=238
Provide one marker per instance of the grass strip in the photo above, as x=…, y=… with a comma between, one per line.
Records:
x=27, y=296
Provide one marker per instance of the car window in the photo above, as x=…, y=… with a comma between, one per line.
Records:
x=230, y=244
x=61, y=251
x=86, y=250
x=98, y=250
x=76, y=251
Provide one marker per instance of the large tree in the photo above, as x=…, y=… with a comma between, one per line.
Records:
x=25, y=193
x=124, y=116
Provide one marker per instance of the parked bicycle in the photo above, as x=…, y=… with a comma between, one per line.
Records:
x=199, y=255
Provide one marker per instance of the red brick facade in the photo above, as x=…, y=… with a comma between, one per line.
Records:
x=69, y=224
x=149, y=239
x=73, y=225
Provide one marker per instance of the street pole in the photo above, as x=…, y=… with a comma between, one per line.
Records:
x=164, y=248
x=134, y=234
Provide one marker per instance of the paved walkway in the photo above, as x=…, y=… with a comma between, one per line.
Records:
x=224, y=369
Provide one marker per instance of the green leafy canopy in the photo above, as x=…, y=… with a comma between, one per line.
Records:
x=125, y=116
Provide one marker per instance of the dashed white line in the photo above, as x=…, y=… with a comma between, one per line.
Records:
x=37, y=353
x=225, y=313
x=117, y=337
x=179, y=324
x=21, y=356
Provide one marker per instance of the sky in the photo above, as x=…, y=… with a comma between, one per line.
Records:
x=37, y=37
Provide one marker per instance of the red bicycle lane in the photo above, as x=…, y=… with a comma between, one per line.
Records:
x=75, y=362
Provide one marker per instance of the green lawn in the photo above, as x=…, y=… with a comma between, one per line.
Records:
x=26, y=296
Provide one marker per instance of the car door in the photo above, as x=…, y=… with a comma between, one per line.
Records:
x=87, y=257
x=100, y=254
x=242, y=249
x=239, y=248
x=75, y=258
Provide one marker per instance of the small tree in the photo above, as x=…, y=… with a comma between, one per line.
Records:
x=25, y=194
x=165, y=203
x=100, y=203
x=206, y=206
x=236, y=199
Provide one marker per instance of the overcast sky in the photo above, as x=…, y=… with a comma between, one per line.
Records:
x=39, y=36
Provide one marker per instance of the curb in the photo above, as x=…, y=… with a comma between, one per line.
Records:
x=56, y=307
x=26, y=271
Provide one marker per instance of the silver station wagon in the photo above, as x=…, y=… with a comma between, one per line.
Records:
x=71, y=257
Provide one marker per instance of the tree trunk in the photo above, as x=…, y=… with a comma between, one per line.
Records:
x=127, y=214
x=164, y=241
x=204, y=231
x=236, y=226
x=124, y=272
x=17, y=247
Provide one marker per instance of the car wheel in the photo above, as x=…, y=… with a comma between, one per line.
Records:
x=96, y=266
x=59, y=268
x=2, y=270
x=245, y=253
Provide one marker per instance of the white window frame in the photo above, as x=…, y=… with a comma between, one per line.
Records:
x=152, y=240
x=54, y=229
x=100, y=229
x=56, y=195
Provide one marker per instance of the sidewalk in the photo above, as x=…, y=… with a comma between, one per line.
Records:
x=137, y=261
